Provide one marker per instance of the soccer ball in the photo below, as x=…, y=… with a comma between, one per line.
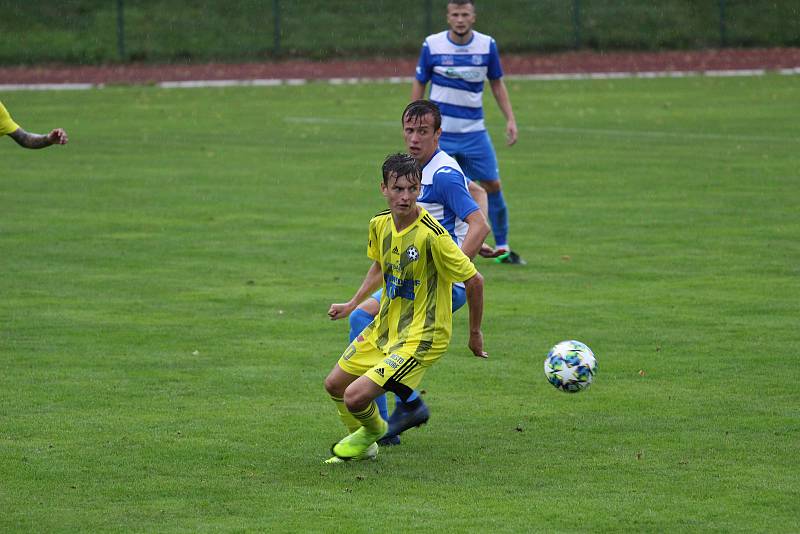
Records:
x=570, y=366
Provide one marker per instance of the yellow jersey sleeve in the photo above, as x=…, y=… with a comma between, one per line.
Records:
x=7, y=124
x=373, y=248
x=453, y=265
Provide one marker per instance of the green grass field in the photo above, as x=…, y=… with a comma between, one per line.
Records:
x=166, y=277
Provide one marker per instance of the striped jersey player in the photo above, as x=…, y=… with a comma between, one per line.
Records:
x=457, y=63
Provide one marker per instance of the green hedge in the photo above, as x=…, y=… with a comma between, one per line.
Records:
x=86, y=31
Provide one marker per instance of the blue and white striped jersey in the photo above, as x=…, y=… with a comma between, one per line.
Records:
x=457, y=74
x=445, y=196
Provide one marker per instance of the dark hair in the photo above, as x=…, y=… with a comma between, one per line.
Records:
x=461, y=2
x=398, y=165
x=419, y=108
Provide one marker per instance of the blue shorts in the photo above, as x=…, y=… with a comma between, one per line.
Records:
x=473, y=152
x=459, y=296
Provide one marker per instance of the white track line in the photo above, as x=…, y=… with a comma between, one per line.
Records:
x=50, y=86
x=273, y=82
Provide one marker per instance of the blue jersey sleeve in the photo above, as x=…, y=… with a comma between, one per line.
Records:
x=494, y=71
x=450, y=185
x=424, y=66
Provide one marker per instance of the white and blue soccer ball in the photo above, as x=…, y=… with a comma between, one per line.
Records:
x=570, y=366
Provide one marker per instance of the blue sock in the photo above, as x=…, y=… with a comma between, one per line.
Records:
x=359, y=320
x=413, y=396
x=382, y=408
x=498, y=215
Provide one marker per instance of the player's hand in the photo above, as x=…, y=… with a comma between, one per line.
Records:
x=476, y=344
x=488, y=252
x=58, y=137
x=511, y=132
x=339, y=311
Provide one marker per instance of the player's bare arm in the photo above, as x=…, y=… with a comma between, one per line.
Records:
x=32, y=140
x=372, y=281
x=474, y=288
x=417, y=90
x=504, y=102
x=476, y=233
x=480, y=197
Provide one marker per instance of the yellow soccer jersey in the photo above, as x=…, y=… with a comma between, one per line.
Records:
x=7, y=124
x=419, y=267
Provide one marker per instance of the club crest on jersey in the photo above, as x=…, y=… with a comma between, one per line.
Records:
x=412, y=253
x=477, y=60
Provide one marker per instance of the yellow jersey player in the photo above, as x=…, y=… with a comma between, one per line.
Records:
x=454, y=202
x=416, y=262
x=26, y=139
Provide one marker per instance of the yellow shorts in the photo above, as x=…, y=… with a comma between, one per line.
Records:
x=396, y=372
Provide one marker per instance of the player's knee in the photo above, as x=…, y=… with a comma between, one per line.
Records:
x=356, y=399
x=491, y=186
x=333, y=387
x=370, y=306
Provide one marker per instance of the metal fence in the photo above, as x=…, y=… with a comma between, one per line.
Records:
x=95, y=31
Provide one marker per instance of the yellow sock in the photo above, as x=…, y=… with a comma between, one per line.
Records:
x=347, y=418
x=371, y=418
